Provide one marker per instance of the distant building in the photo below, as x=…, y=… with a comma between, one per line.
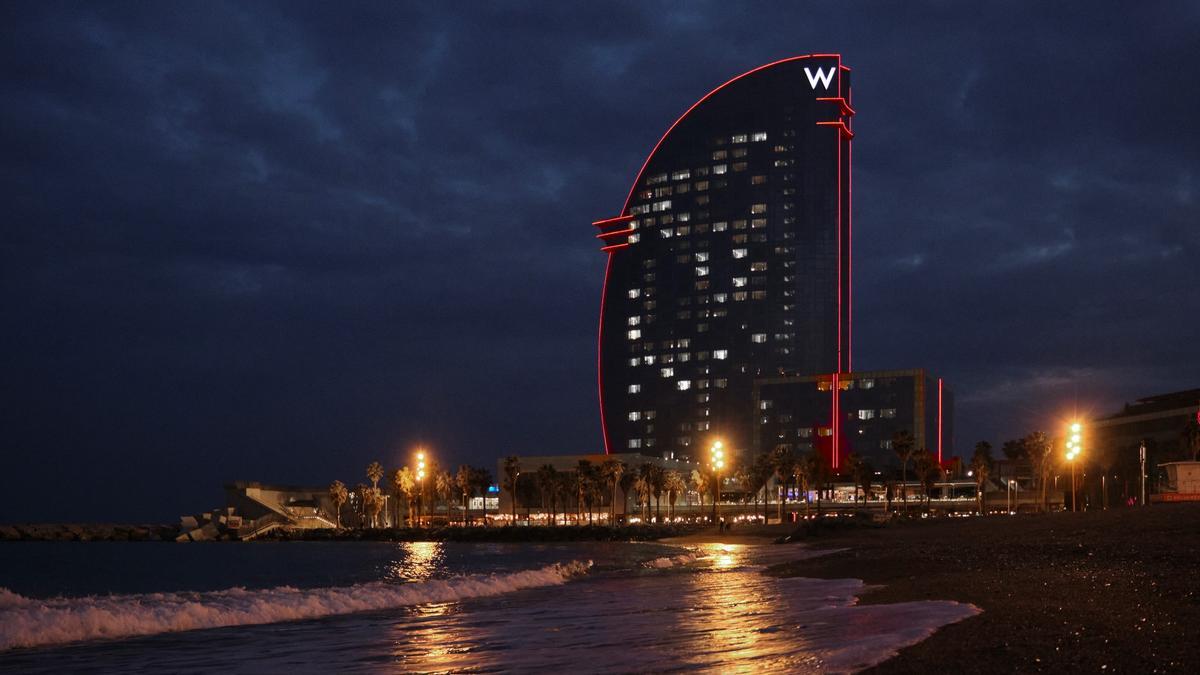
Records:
x=794, y=411
x=1160, y=421
x=730, y=261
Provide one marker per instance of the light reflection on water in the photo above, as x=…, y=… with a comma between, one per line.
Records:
x=717, y=613
x=418, y=560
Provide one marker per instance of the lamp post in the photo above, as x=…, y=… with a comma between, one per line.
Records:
x=420, y=483
x=717, y=461
x=1074, y=447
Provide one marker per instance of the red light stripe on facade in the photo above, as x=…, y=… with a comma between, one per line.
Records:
x=707, y=96
x=849, y=258
x=845, y=130
x=614, y=247
x=615, y=219
x=613, y=233
x=600, y=355
x=939, y=420
x=841, y=101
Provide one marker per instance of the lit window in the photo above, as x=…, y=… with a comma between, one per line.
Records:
x=635, y=388
x=720, y=227
x=635, y=442
x=758, y=180
x=701, y=185
x=685, y=356
x=758, y=267
x=740, y=253
x=661, y=206
x=758, y=223
x=721, y=383
x=648, y=360
x=634, y=238
x=739, y=296
x=683, y=343
x=634, y=361
x=739, y=152
x=765, y=405
x=718, y=154
x=701, y=256
x=804, y=433
x=681, y=175
x=738, y=282
x=888, y=413
x=866, y=384
x=666, y=233
x=635, y=416
x=667, y=372
x=634, y=334
x=738, y=138
x=702, y=271
x=758, y=295
x=758, y=337
x=720, y=297
x=634, y=292
x=719, y=169
x=683, y=385
x=866, y=414
x=654, y=180
x=721, y=354
x=759, y=136
x=634, y=320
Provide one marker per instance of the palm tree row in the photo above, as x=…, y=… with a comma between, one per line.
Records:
x=368, y=502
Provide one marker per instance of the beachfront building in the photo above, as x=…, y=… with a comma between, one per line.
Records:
x=730, y=261
x=793, y=411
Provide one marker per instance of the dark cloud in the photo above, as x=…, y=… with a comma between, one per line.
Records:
x=279, y=241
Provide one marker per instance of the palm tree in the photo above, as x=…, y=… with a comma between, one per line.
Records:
x=1038, y=448
x=804, y=471
x=641, y=486
x=646, y=473
x=783, y=461
x=903, y=445
x=545, y=477
x=338, y=494
x=700, y=485
x=374, y=502
x=867, y=479
x=582, y=475
x=856, y=465
x=406, y=486
x=675, y=485
x=466, y=487
x=658, y=483
x=359, y=494
x=981, y=466
x=512, y=469
x=925, y=465
x=374, y=473
x=612, y=469
x=563, y=487
x=443, y=485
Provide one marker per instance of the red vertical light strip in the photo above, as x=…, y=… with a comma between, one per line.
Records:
x=939, y=420
x=838, y=197
x=849, y=256
x=836, y=424
x=600, y=354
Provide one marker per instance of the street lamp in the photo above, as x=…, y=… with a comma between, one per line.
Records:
x=717, y=461
x=420, y=482
x=1074, y=447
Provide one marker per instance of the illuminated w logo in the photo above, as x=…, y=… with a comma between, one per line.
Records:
x=824, y=77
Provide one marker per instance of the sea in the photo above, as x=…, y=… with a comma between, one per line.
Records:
x=433, y=607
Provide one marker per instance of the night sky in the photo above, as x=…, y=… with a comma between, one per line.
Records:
x=244, y=241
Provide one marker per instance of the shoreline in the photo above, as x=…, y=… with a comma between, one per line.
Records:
x=1100, y=591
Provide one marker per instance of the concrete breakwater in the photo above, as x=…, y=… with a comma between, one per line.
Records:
x=87, y=532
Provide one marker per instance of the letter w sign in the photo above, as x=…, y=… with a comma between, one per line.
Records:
x=822, y=76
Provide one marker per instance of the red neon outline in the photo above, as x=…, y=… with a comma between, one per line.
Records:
x=614, y=247
x=939, y=420
x=707, y=96
x=840, y=124
x=841, y=101
x=613, y=233
x=600, y=355
x=602, y=223
x=849, y=257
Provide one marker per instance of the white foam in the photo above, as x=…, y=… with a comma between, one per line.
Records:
x=29, y=622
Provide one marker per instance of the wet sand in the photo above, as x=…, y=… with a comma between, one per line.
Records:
x=1108, y=591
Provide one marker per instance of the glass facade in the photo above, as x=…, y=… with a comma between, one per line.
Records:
x=730, y=260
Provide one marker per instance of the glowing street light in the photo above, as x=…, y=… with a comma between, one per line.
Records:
x=1074, y=448
x=717, y=461
x=420, y=473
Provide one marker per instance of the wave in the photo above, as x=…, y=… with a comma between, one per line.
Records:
x=30, y=622
x=672, y=561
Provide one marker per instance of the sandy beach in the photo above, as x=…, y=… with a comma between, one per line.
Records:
x=1108, y=591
